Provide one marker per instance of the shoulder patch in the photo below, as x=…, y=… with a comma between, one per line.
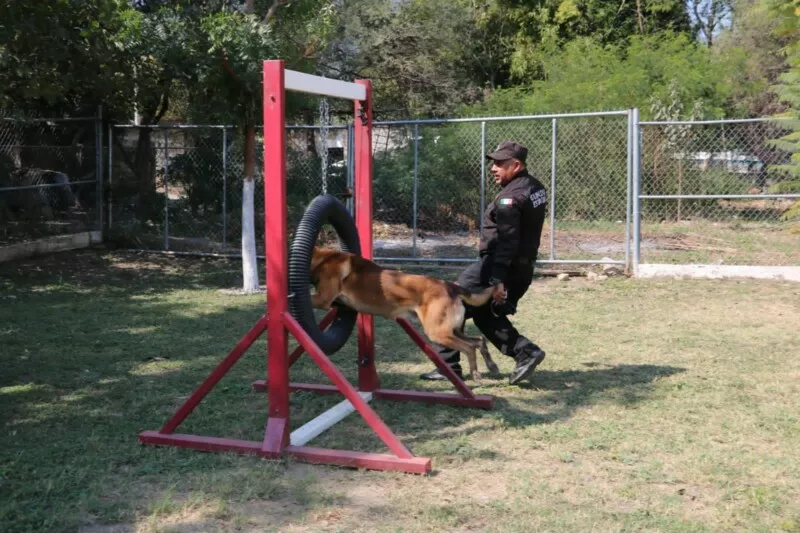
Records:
x=539, y=197
x=505, y=201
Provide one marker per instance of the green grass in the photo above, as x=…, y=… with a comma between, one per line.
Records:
x=665, y=406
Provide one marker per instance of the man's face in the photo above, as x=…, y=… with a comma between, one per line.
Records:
x=504, y=171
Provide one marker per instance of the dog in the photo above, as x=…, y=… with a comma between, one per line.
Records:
x=363, y=285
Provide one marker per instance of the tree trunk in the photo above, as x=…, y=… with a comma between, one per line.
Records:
x=640, y=16
x=249, y=262
x=145, y=171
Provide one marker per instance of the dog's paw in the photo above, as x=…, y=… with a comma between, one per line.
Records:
x=493, y=368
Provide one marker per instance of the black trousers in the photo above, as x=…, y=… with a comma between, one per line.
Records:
x=495, y=326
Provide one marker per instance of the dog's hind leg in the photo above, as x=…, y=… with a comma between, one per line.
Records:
x=487, y=357
x=456, y=342
x=479, y=343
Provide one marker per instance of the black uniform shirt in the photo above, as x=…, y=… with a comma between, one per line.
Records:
x=512, y=224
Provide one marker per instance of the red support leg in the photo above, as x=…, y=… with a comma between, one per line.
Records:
x=367, y=373
x=216, y=375
x=276, y=437
x=157, y=437
x=323, y=324
x=443, y=367
x=261, y=384
x=349, y=392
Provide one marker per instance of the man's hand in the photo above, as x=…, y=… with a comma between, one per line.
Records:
x=499, y=295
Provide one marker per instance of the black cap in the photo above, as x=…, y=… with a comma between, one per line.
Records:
x=509, y=150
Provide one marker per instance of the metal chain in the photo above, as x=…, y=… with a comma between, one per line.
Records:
x=325, y=122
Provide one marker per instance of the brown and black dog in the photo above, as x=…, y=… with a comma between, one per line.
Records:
x=368, y=288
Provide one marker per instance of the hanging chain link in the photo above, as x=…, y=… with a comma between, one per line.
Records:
x=325, y=122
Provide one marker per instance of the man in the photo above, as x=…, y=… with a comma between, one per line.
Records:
x=512, y=229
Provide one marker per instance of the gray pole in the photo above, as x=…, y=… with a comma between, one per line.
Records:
x=553, y=191
x=110, y=170
x=483, y=173
x=224, y=188
x=98, y=147
x=166, y=190
x=637, y=183
x=416, y=181
x=351, y=158
x=628, y=191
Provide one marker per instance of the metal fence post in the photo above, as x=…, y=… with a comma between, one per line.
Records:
x=628, y=191
x=553, y=191
x=350, y=164
x=110, y=171
x=166, y=189
x=98, y=148
x=483, y=173
x=637, y=183
x=224, y=188
x=416, y=181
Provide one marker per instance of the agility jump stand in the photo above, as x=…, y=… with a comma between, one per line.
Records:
x=278, y=322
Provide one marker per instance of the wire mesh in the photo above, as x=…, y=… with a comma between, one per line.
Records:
x=588, y=190
x=180, y=189
x=48, y=178
x=431, y=183
x=707, y=194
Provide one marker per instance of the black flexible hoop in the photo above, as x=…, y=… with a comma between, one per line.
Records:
x=322, y=209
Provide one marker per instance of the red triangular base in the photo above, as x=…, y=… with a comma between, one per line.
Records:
x=275, y=444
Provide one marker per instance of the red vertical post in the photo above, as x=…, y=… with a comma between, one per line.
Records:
x=276, y=437
x=367, y=374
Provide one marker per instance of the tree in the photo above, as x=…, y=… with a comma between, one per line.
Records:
x=231, y=78
x=710, y=16
x=545, y=27
x=59, y=57
x=237, y=42
x=416, y=52
x=752, y=47
x=588, y=76
x=789, y=91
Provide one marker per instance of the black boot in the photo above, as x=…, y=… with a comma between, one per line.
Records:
x=527, y=361
x=435, y=375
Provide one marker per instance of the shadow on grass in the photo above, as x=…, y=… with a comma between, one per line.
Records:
x=557, y=395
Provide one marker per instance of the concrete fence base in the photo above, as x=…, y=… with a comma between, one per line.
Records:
x=59, y=243
x=782, y=273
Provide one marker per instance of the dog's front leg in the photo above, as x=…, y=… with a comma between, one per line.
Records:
x=327, y=291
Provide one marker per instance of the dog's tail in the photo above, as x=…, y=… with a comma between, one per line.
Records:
x=475, y=299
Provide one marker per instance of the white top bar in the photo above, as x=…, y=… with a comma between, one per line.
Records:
x=307, y=83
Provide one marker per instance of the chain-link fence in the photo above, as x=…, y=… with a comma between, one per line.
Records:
x=51, y=177
x=179, y=188
x=710, y=194
x=431, y=185
x=707, y=191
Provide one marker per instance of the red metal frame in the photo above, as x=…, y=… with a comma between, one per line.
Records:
x=278, y=323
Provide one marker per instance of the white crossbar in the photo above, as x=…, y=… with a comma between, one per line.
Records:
x=311, y=429
x=308, y=83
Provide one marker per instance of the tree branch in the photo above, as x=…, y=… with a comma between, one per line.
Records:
x=640, y=16
x=226, y=65
x=164, y=106
x=273, y=9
